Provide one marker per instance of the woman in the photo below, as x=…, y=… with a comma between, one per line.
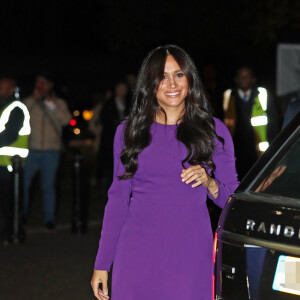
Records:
x=169, y=155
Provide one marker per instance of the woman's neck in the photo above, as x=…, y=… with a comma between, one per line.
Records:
x=173, y=117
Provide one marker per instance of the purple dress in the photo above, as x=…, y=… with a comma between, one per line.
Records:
x=156, y=228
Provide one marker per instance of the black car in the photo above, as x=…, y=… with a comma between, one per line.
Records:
x=257, y=243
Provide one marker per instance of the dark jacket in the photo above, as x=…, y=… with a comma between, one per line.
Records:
x=242, y=131
x=110, y=119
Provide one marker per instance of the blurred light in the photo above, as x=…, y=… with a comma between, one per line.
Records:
x=73, y=122
x=17, y=92
x=76, y=113
x=278, y=212
x=9, y=168
x=76, y=130
x=214, y=262
x=87, y=114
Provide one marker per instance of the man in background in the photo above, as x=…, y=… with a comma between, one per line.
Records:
x=251, y=118
x=48, y=116
x=14, y=132
x=112, y=113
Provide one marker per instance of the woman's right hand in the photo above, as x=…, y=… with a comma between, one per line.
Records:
x=100, y=276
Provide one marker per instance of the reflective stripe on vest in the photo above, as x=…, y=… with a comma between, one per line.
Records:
x=25, y=130
x=20, y=145
x=263, y=97
x=12, y=151
x=259, y=119
x=226, y=99
x=263, y=146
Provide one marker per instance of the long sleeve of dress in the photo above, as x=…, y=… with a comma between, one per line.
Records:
x=116, y=209
x=224, y=159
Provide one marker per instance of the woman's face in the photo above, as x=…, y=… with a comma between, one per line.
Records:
x=173, y=89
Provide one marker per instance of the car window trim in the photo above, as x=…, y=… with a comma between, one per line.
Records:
x=274, y=154
x=242, y=240
x=266, y=198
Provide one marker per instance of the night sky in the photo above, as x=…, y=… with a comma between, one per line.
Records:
x=90, y=45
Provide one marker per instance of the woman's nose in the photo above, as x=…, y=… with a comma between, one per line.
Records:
x=172, y=83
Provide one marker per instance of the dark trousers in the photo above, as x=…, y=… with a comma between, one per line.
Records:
x=6, y=200
x=45, y=161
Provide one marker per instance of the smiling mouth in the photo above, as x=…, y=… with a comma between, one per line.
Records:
x=172, y=94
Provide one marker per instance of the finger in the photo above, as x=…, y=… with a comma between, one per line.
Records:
x=96, y=294
x=197, y=183
x=201, y=181
x=96, y=290
x=184, y=171
x=196, y=172
x=104, y=287
x=190, y=168
x=102, y=295
x=193, y=178
x=194, y=168
x=191, y=172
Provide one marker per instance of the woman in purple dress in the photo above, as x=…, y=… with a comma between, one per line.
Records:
x=170, y=154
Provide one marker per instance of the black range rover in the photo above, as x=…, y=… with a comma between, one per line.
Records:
x=257, y=243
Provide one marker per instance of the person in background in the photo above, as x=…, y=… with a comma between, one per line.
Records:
x=131, y=81
x=212, y=91
x=48, y=116
x=112, y=113
x=14, y=132
x=95, y=125
x=251, y=118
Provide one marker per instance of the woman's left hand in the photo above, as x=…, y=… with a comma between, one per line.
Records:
x=198, y=174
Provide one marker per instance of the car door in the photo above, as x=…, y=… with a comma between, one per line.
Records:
x=258, y=237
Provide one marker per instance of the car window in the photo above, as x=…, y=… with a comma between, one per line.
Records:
x=282, y=178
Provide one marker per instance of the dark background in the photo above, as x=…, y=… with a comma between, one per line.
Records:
x=89, y=45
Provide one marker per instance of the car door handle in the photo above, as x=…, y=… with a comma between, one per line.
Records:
x=228, y=269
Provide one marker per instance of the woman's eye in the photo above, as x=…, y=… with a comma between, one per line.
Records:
x=179, y=74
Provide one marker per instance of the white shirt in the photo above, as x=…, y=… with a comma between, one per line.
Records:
x=244, y=95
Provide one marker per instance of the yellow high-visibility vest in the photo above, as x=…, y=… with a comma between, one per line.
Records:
x=20, y=145
x=259, y=118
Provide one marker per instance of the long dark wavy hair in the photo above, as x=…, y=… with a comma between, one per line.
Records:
x=196, y=127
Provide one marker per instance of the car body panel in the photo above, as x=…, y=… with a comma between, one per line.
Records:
x=260, y=226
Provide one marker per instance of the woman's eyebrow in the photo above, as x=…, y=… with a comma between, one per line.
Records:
x=173, y=72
